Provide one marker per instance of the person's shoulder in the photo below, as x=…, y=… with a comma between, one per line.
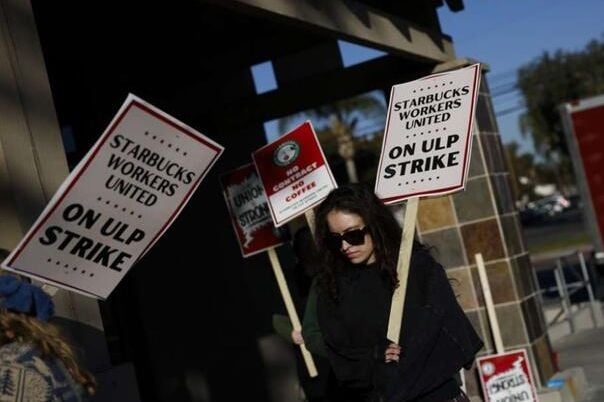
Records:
x=424, y=262
x=427, y=274
x=422, y=251
x=14, y=352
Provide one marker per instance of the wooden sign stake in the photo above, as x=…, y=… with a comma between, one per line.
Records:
x=402, y=270
x=488, y=301
x=291, y=310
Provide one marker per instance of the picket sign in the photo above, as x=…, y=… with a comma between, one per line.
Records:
x=248, y=207
x=294, y=172
x=503, y=375
x=296, y=177
x=116, y=203
x=291, y=309
x=507, y=377
x=425, y=152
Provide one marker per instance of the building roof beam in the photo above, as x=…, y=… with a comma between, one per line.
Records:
x=356, y=22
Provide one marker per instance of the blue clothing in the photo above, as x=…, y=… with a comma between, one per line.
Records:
x=26, y=377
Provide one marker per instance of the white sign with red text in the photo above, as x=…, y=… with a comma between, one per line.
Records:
x=507, y=377
x=117, y=202
x=249, y=211
x=294, y=173
x=428, y=136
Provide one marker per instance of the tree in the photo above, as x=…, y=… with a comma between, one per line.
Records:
x=338, y=125
x=527, y=171
x=522, y=171
x=551, y=80
x=548, y=82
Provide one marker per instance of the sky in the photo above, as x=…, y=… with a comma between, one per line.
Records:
x=505, y=34
x=264, y=80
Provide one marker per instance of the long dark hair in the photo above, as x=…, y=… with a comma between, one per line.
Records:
x=383, y=228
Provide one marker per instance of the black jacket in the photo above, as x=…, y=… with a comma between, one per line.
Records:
x=437, y=339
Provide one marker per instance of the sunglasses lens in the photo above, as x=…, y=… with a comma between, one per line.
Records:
x=354, y=238
x=334, y=242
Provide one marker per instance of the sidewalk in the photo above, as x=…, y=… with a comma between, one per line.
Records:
x=549, y=258
x=585, y=348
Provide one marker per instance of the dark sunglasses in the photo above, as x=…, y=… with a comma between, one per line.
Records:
x=354, y=237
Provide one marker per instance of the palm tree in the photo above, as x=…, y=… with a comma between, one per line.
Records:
x=341, y=121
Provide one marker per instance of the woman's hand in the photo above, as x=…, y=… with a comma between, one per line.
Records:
x=392, y=353
x=297, y=337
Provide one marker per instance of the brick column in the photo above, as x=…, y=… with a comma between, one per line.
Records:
x=483, y=219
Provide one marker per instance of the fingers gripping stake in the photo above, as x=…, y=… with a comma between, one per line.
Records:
x=291, y=310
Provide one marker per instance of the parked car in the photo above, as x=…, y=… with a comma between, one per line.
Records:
x=552, y=205
x=543, y=209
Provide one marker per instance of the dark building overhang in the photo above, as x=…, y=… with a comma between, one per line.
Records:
x=361, y=23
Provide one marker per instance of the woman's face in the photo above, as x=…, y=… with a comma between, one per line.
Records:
x=339, y=223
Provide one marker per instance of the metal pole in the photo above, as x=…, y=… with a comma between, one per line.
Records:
x=590, y=292
x=540, y=293
x=564, y=299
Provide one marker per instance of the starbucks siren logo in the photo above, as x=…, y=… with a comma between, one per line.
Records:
x=488, y=368
x=286, y=153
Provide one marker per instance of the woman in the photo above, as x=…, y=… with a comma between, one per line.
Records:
x=36, y=363
x=348, y=309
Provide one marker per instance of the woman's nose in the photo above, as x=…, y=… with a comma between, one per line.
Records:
x=345, y=245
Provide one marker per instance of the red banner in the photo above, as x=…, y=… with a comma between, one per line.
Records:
x=588, y=127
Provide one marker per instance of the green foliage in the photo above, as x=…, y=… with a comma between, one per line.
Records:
x=359, y=119
x=348, y=111
x=551, y=80
x=562, y=242
x=367, y=154
x=527, y=171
